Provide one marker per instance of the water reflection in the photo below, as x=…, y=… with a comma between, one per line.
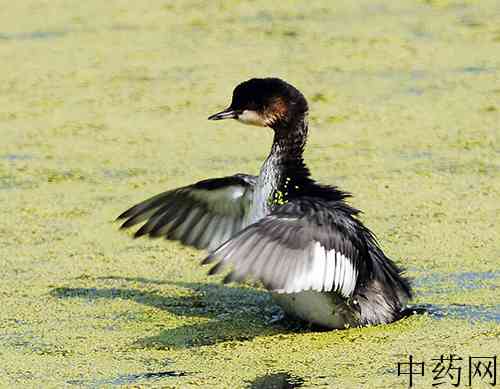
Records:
x=281, y=380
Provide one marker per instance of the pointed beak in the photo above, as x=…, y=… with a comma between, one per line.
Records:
x=228, y=113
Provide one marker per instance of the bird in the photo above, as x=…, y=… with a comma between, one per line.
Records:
x=299, y=239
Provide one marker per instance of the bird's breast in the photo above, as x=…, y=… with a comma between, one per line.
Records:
x=261, y=206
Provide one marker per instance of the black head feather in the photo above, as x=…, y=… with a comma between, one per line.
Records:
x=274, y=99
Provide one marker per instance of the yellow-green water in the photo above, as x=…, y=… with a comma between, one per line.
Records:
x=103, y=104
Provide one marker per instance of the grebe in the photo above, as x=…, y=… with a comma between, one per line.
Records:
x=298, y=237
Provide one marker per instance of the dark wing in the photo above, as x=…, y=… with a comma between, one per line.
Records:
x=306, y=244
x=203, y=215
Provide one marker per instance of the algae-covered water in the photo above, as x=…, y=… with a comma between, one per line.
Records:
x=103, y=104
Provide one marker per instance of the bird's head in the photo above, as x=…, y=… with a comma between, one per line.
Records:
x=265, y=102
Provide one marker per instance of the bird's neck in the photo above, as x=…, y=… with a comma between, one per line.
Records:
x=284, y=173
x=289, y=141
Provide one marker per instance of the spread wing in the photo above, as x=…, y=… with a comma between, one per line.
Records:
x=306, y=244
x=203, y=215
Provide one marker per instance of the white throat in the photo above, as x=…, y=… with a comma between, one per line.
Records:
x=252, y=118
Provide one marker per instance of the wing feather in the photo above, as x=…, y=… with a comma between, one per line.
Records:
x=203, y=215
x=293, y=250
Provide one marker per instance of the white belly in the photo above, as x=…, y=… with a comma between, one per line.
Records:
x=315, y=307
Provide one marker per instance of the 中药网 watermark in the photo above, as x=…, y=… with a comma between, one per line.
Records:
x=451, y=369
